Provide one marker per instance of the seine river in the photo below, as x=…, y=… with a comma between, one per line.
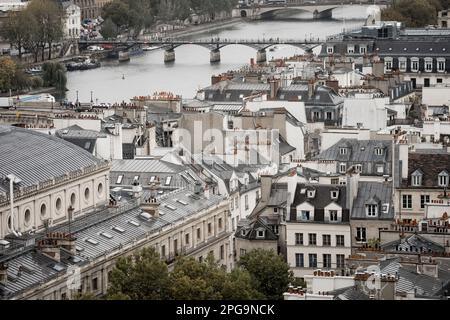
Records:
x=147, y=73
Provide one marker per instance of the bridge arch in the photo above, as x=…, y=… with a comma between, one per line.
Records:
x=243, y=14
x=318, y=13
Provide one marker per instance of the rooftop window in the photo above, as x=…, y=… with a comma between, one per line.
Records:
x=443, y=179
x=118, y=229
x=134, y=223
x=416, y=178
x=92, y=241
x=106, y=235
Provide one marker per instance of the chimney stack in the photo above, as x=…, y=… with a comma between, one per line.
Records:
x=352, y=187
x=266, y=187
x=274, y=87
x=53, y=242
x=151, y=205
x=311, y=88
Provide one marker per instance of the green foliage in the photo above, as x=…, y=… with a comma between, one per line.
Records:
x=7, y=73
x=36, y=82
x=414, y=13
x=34, y=28
x=298, y=282
x=141, y=276
x=109, y=29
x=144, y=276
x=85, y=296
x=136, y=15
x=270, y=274
x=54, y=75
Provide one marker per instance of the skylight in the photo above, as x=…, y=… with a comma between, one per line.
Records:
x=119, y=179
x=134, y=223
x=145, y=215
x=118, y=229
x=168, y=206
x=182, y=202
x=58, y=267
x=106, y=235
x=92, y=241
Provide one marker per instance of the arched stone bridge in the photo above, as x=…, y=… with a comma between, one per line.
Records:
x=214, y=45
x=320, y=9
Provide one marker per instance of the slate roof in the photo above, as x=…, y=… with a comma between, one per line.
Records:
x=149, y=171
x=251, y=227
x=231, y=91
x=366, y=192
x=396, y=48
x=36, y=157
x=321, y=199
x=360, y=151
x=284, y=146
x=409, y=280
x=413, y=243
x=349, y=293
x=85, y=139
x=431, y=164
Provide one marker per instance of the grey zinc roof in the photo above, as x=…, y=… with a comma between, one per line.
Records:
x=176, y=212
x=360, y=151
x=37, y=268
x=413, y=48
x=36, y=157
x=76, y=132
x=251, y=227
x=350, y=293
x=409, y=280
x=413, y=243
x=145, y=165
x=368, y=191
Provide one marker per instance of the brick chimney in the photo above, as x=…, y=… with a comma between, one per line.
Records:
x=53, y=242
x=151, y=206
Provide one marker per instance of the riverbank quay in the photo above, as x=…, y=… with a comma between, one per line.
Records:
x=192, y=30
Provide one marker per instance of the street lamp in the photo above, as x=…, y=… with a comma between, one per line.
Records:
x=13, y=179
x=91, y=97
x=77, y=98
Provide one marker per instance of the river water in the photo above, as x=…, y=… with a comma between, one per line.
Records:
x=147, y=73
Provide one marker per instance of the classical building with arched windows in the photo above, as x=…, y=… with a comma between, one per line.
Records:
x=50, y=175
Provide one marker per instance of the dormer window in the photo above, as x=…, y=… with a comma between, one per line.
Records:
x=358, y=168
x=333, y=215
x=260, y=234
x=416, y=178
x=330, y=50
x=343, y=150
x=443, y=179
x=243, y=233
x=342, y=167
x=311, y=194
x=371, y=210
x=334, y=194
x=379, y=151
